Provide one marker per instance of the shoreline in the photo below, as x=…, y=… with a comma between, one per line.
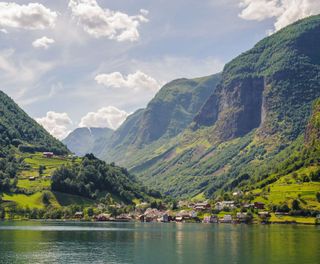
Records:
x=172, y=222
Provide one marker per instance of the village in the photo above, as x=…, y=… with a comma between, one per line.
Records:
x=189, y=212
x=230, y=208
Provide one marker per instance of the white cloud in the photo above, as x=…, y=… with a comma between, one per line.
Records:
x=43, y=42
x=138, y=81
x=20, y=72
x=31, y=16
x=144, y=12
x=169, y=68
x=56, y=124
x=100, y=22
x=285, y=11
x=110, y=117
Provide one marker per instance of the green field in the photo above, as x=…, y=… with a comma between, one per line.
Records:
x=287, y=191
x=35, y=188
x=37, y=160
x=296, y=219
x=31, y=201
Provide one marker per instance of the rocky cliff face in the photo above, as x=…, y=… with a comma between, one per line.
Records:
x=270, y=87
x=174, y=108
x=312, y=134
x=236, y=109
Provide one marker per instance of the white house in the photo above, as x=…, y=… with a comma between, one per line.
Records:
x=225, y=204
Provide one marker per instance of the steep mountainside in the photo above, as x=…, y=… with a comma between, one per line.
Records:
x=167, y=115
x=270, y=86
x=255, y=114
x=88, y=140
x=18, y=129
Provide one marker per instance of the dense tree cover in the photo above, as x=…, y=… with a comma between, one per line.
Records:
x=9, y=167
x=2, y=213
x=93, y=178
x=50, y=212
x=19, y=130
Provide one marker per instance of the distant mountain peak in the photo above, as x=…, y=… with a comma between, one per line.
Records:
x=85, y=140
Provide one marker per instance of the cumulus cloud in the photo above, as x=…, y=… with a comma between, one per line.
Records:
x=43, y=43
x=138, y=81
x=56, y=124
x=110, y=117
x=32, y=16
x=19, y=73
x=285, y=11
x=100, y=22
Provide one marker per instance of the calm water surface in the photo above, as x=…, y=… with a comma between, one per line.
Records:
x=74, y=242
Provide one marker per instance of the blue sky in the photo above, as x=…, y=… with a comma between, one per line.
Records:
x=71, y=63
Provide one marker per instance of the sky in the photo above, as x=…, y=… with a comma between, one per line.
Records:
x=90, y=63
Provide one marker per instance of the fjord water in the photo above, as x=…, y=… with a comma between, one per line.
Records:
x=76, y=242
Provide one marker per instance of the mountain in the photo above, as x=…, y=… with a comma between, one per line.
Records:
x=18, y=129
x=20, y=134
x=255, y=115
x=88, y=140
x=269, y=87
x=168, y=114
x=31, y=180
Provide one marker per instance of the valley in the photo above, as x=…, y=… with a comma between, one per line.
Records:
x=252, y=129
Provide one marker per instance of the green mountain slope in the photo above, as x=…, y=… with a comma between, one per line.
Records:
x=249, y=123
x=30, y=180
x=295, y=173
x=17, y=128
x=88, y=140
x=167, y=115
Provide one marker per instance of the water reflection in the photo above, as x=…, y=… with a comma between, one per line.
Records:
x=39, y=242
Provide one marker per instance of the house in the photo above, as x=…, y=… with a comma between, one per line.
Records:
x=102, y=217
x=78, y=215
x=32, y=178
x=152, y=215
x=164, y=218
x=248, y=206
x=210, y=219
x=281, y=213
x=243, y=217
x=185, y=215
x=124, y=218
x=264, y=215
x=225, y=204
x=239, y=193
x=202, y=206
x=226, y=219
x=258, y=205
x=48, y=154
